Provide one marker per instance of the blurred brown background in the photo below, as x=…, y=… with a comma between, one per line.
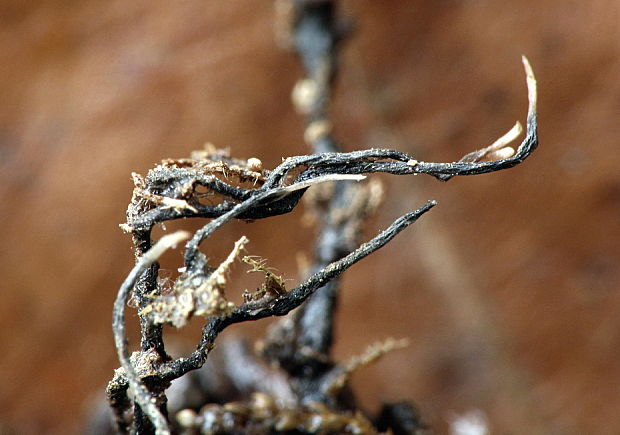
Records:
x=508, y=290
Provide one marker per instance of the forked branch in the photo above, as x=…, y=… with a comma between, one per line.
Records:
x=176, y=189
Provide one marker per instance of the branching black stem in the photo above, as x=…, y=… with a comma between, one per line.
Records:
x=286, y=303
x=239, y=189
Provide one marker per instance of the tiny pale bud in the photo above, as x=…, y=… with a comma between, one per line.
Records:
x=316, y=130
x=186, y=418
x=254, y=164
x=304, y=94
x=503, y=153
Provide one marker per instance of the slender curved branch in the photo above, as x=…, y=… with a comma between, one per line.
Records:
x=351, y=163
x=141, y=394
x=274, y=197
x=261, y=200
x=284, y=304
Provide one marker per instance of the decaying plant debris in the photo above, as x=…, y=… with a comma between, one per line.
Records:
x=307, y=391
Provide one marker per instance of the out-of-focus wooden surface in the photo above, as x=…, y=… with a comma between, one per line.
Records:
x=508, y=290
